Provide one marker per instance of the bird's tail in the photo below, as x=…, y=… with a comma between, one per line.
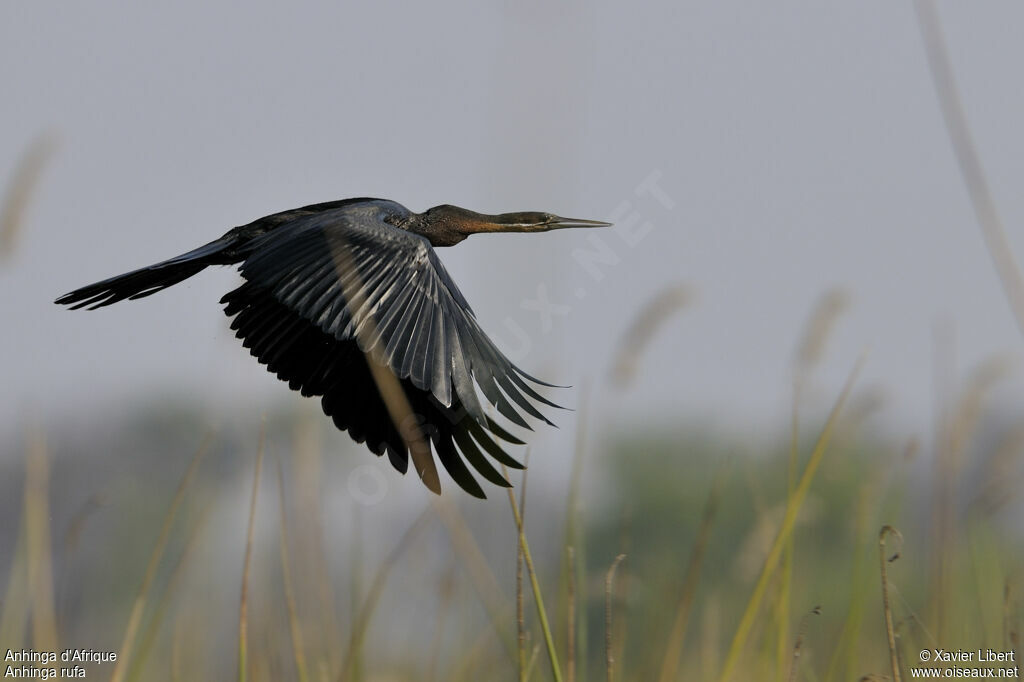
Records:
x=149, y=280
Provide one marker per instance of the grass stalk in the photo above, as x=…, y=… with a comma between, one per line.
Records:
x=160, y=608
x=799, y=644
x=243, y=606
x=609, y=584
x=294, y=628
x=446, y=591
x=15, y=604
x=178, y=653
x=967, y=157
x=846, y=645
x=890, y=630
x=307, y=545
x=19, y=192
x=520, y=612
x=391, y=393
x=532, y=663
x=486, y=585
x=573, y=570
x=571, y=617
x=135, y=617
x=369, y=605
x=39, y=553
x=674, y=648
x=538, y=598
x=793, y=506
x=787, y=554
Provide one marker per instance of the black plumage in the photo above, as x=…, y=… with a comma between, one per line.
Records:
x=343, y=299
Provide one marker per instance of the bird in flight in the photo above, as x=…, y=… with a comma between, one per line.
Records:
x=347, y=300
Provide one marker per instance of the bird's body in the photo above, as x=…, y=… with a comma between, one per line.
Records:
x=348, y=301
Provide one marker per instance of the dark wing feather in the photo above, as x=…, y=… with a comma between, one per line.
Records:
x=317, y=364
x=149, y=280
x=409, y=308
x=294, y=313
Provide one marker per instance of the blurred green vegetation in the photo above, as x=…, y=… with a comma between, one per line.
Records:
x=376, y=593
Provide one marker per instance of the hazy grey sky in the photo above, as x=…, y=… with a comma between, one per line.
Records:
x=795, y=146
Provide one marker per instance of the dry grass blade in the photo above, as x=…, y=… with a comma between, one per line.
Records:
x=520, y=615
x=1003, y=478
x=471, y=656
x=819, y=326
x=572, y=571
x=128, y=641
x=609, y=583
x=520, y=612
x=39, y=554
x=486, y=585
x=16, y=595
x=883, y=561
x=243, y=606
x=532, y=663
x=793, y=505
x=809, y=354
x=380, y=577
x=967, y=158
x=798, y=646
x=845, y=653
x=1011, y=632
x=354, y=667
x=310, y=563
x=178, y=650
x=95, y=502
x=967, y=415
x=391, y=392
x=571, y=620
x=446, y=591
x=150, y=633
x=19, y=191
x=803, y=368
x=643, y=328
x=943, y=540
x=1007, y=615
x=538, y=597
x=294, y=628
x=674, y=647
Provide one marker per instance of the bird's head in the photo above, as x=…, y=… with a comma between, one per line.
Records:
x=464, y=222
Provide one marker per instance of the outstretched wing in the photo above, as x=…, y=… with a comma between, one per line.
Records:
x=332, y=284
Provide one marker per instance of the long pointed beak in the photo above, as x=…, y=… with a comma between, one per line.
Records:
x=558, y=223
x=523, y=222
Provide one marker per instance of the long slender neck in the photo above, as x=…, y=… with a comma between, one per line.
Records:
x=448, y=225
